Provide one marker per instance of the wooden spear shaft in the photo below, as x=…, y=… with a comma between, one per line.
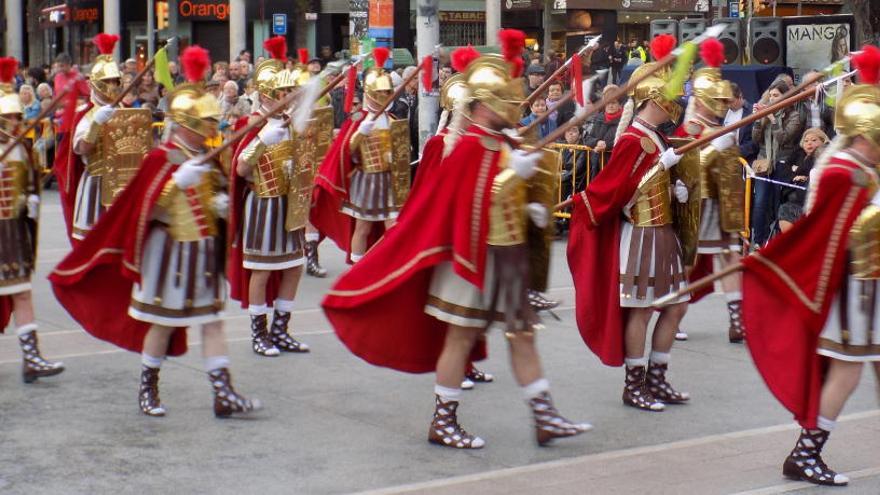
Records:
x=546, y=115
x=134, y=82
x=397, y=92
x=558, y=72
x=33, y=125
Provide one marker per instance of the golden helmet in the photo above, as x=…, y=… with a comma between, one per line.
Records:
x=105, y=68
x=266, y=72
x=710, y=88
x=858, y=111
x=189, y=105
x=286, y=79
x=453, y=92
x=653, y=88
x=10, y=104
x=376, y=80
x=491, y=83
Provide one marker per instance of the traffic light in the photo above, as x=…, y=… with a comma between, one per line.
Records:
x=161, y=14
x=760, y=5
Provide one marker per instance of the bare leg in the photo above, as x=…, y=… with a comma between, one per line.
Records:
x=289, y=283
x=362, y=230
x=840, y=382
x=784, y=226
x=524, y=358
x=667, y=325
x=456, y=355
x=156, y=341
x=214, y=340
x=257, y=287
x=732, y=283
x=636, y=330
x=23, y=308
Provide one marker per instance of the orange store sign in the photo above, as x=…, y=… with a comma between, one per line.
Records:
x=205, y=10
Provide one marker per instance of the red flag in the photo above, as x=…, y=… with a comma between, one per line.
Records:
x=577, y=79
x=350, y=81
x=428, y=73
x=69, y=108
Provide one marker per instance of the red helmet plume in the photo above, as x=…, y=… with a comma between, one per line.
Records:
x=105, y=43
x=462, y=57
x=303, y=55
x=662, y=46
x=277, y=47
x=712, y=52
x=194, y=62
x=867, y=62
x=380, y=55
x=8, y=66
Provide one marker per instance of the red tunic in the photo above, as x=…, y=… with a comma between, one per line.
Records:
x=789, y=285
x=432, y=155
x=95, y=280
x=594, y=244
x=68, y=169
x=378, y=307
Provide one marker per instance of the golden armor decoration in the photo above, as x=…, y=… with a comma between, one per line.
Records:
x=489, y=81
x=686, y=215
x=105, y=70
x=712, y=90
x=14, y=180
x=191, y=215
x=858, y=113
x=123, y=142
x=653, y=205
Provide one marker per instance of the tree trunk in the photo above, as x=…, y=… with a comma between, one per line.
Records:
x=864, y=30
x=36, y=56
x=300, y=31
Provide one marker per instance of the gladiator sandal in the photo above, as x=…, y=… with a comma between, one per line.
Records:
x=446, y=431
x=280, y=338
x=478, y=376
x=541, y=303
x=805, y=461
x=313, y=265
x=260, y=340
x=549, y=424
x=33, y=365
x=736, y=333
x=660, y=388
x=226, y=400
x=148, y=397
x=636, y=393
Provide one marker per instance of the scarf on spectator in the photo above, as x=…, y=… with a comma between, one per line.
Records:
x=610, y=117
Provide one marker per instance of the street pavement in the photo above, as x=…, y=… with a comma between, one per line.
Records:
x=334, y=424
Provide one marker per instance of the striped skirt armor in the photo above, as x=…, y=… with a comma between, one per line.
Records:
x=16, y=256
x=371, y=197
x=267, y=244
x=88, y=207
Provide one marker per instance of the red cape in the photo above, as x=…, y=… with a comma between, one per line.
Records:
x=239, y=277
x=594, y=244
x=68, y=168
x=432, y=155
x=378, y=307
x=331, y=190
x=95, y=280
x=789, y=285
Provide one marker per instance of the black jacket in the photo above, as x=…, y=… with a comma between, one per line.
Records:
x=748, y=148
x=596, y=129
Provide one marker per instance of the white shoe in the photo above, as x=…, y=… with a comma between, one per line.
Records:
x=681, y=335
x=467, y=384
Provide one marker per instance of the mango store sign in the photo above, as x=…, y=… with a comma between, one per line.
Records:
x=204, y=10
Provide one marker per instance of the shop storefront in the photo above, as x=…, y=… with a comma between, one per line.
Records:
x=68, y=27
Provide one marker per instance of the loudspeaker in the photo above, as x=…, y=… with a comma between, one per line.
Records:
x=664, y=26
x=765, y=38
x=732, y=39
x=689, y=29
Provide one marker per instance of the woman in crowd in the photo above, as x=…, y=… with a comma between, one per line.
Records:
x=29, y=102
x=777, y=136
x=148, y=90
x=599, y=131
x=232, y=106
x=574, y=164
x=130, y=100
x=797, y=172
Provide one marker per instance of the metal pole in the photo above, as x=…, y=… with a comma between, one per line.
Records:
x=172, y=26
x=427, y=39
x=547, y=21
x=151, y=28
x=111, y=23
x=14, y=30
x=493, y=21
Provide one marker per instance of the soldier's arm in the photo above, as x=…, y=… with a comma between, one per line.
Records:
x=85, y=136
x=248, y=157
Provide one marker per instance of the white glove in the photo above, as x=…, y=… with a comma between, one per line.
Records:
x=189, y=173
x=104, y=114
x=273, y=135
x=874, y=201
x=33, y=206
x=221, y=204
x=538, y=214
x=669, y=158
x=681, y=191
x=366, y=127
x=724, y=141
x=524, y=163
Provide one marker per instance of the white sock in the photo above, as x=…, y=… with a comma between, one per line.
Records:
x=258, y=309
x=356, y=257
x=535, y=388
x=283, y=305
x=447, y=394
x=150, y=361
x=26, y=329
x=313, y=237
x=826, y=424
x=216, y=362
x=733, y=296
x=633, y=362
x=659, y=357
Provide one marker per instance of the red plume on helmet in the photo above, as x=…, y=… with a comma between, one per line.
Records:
x=8, y=66
x=712, y=52
x=380, y=55
x=662, y=45
x=303, y=55
x=462, y=57
x=867, y=62
x=513, y=42
x=195, y=62
x=277, y=48
x=105, y=43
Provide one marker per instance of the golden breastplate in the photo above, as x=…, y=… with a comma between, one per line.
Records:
x=190, y=213
x=507, y=212
x=13, y=184
x=375, y=151
x=653, y=205
x=864, y=244
x=270, y=173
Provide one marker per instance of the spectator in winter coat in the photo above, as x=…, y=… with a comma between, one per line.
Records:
x=600, y=130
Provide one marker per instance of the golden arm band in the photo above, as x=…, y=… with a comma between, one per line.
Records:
x=354, y=144
x=252, y=152
x=94, y=133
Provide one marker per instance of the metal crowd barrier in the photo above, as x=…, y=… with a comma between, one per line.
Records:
x=570, y=163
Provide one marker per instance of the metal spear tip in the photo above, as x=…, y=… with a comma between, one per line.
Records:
x=593, y=43
x=711, y=32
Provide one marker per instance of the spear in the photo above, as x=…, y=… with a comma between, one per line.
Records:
x=137, y=78
x=36, y=121
x=562, y=101
x=591, y=46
